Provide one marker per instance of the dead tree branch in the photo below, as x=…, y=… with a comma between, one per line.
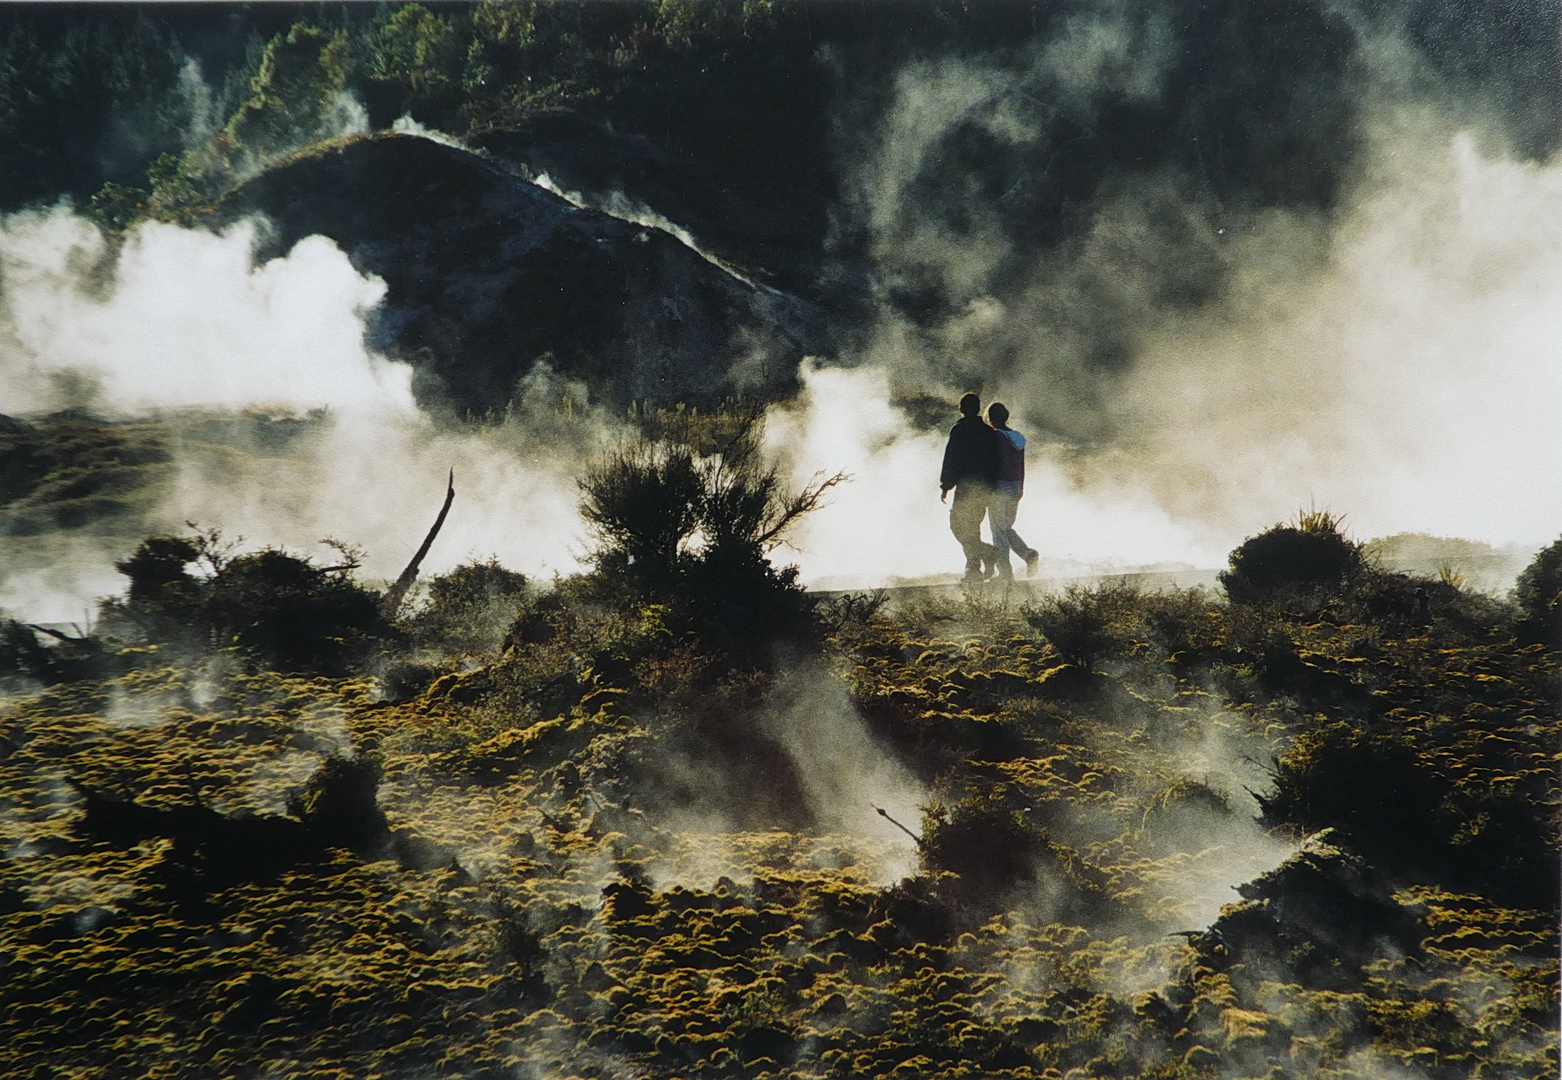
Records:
x=398, y=591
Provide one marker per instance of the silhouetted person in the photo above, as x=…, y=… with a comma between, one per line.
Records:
x=1423, y=607
x=971, y=469
x=1008, y=489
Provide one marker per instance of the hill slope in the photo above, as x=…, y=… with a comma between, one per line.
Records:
x=488, y=274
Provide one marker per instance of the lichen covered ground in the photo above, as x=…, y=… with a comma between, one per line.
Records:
x=525, y=867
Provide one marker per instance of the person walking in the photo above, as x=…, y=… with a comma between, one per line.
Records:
x=1007, y=490
x=971, y=470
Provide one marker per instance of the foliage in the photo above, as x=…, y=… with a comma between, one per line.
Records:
x=1085, y=624
x=1184, y=624
x=1538, y=593
x=23, y=658
x=1072, y=836
x=291, y=102
x=681, y=21
x=695, y=532
x=279, y=609
x=644, y=503
x=470, y=609
x=1292, y=560
x=421, y=51
x=1000, y=855
x=1395, y=800
x=85, y=96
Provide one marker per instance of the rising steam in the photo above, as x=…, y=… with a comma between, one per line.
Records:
x=1395, y=360
x=180, y=323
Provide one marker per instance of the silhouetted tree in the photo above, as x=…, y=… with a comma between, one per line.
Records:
x=1538, y=592
x=696, y=531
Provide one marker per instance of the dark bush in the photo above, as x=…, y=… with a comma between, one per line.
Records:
x=1390, y=801
x=1538, y=593
x=1183, y=623
x=1291, y=560
x=643, y=502
x=167, y=599
x=469, y=609
x=1085, y=624
x=280, y=609
x=291, y=614
x=1001, y=857
x=23, y=657
x=695, y=531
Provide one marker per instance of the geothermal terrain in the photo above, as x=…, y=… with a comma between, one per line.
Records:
x=670, y=750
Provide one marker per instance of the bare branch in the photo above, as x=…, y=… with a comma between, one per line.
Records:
x=804, y=502
x=398, y=591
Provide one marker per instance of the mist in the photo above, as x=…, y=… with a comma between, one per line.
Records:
x=182, y=325
x=1223, y=263
x=1394, y=362
x=1190, y=366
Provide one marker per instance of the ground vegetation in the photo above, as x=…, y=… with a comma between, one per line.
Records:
x=594, y=845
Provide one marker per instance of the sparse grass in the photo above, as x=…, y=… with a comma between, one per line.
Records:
x=1323, y=522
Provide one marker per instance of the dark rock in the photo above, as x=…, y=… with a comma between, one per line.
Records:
x=487, y=274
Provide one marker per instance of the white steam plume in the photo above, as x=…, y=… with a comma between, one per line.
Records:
x=846, y=776
x=186, y=320
x=888, y=521
x=182, y=320
x=1399, y=364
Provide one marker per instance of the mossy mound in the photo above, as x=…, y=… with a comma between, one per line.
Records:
x=525, y=869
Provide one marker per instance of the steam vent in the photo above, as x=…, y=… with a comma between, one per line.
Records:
x=476, y=603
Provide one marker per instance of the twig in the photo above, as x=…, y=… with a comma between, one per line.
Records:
x=920, y=843
x=398, y=591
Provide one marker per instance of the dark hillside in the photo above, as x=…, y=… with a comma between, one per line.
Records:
x=489, y=274
x=762, y=128
x=777, y=233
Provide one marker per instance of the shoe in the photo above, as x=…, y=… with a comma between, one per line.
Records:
x=1031, y=562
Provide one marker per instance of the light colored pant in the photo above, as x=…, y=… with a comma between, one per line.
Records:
x=1001, y=510
x=966, y=511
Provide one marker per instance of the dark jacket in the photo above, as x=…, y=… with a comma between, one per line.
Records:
x=1011, y=456
x=970, y=454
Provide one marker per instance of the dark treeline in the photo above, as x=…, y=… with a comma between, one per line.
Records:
x=1261, y=103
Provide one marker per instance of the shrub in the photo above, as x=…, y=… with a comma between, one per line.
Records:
x=643, y=502
x=1001, y=856
x=1538, y=593
x=1398, y=804
x=1183, y=623
x=22, y=657
x=1084, y=624
x=278, y=608
x=470, y=609
x=290, y=613
x=694, y=531
x=1289, y=560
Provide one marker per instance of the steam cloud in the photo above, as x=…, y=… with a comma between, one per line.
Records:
x=1393, y=358
x=181, y=322
x=1190, y=368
